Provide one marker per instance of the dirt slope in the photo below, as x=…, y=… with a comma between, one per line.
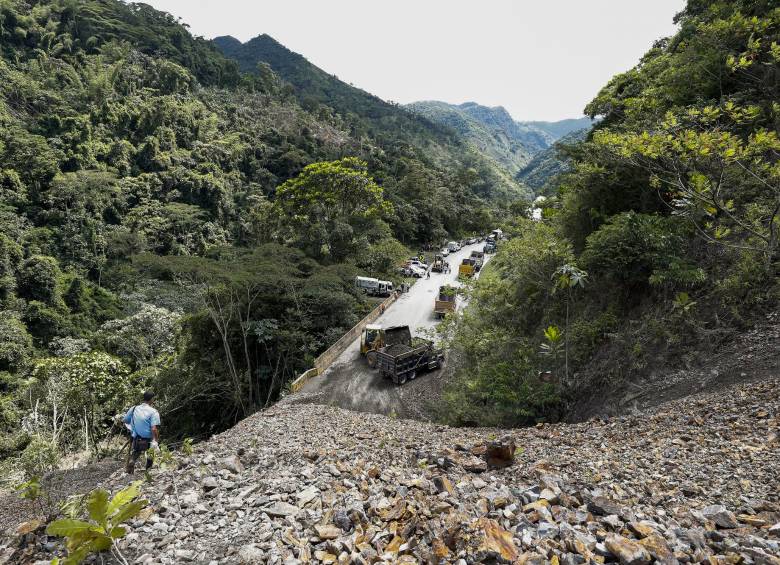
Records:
x=729, y=358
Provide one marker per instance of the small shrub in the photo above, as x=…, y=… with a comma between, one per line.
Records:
x=39, y=457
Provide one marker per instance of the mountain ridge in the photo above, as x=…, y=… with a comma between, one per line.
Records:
x=493, y=131
x=365, y=113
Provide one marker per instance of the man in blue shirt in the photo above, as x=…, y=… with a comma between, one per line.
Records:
x=143, y=421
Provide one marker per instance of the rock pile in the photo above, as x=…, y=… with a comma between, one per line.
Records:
x=693, y=481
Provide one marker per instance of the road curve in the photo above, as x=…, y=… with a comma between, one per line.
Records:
x=349, y=383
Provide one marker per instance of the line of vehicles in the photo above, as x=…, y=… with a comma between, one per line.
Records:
x=393, y=351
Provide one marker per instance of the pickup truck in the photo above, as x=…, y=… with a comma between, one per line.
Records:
x=401, y=362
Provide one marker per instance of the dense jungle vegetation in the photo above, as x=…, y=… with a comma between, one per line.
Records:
x=173, y=219
x=658, y=244
x=169, y=222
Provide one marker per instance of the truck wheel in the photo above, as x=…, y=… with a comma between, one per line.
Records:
x=401, y=379
x=412, y=375
x=371, y=358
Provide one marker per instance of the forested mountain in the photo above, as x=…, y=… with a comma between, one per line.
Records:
x=495, y=133
x=494, y=142
x=364, y=114
x=166, y=221
x=548, y=164
x=561, y=128
x=658, y=247
x=497, y=118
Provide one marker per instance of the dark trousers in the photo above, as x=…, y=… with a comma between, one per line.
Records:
x=139, y=446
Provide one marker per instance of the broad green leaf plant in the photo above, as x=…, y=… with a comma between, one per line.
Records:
x=103, y=528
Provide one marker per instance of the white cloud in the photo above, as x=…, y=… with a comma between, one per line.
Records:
x=541, y=59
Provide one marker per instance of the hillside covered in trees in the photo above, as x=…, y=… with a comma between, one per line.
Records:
x=494, y=133
x=168, y=221
x=659, y=248
x=388, y=125
x=175, y=218
x=546, y=166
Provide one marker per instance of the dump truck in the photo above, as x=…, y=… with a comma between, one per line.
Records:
x=402, y=362
x=445, y=302
x=467, y=268
x=479, y=259
x=438, y=264
x=374, y=287
x=375, y=337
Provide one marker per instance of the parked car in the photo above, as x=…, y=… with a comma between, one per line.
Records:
x=418, y=264
x=471, y=241
x=413, y=271
x=417, y=272
x=453, y=246
x=444, y=252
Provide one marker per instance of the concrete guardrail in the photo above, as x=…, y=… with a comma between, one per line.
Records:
x=325, y=359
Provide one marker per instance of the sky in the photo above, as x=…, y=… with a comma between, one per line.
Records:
x=540, y=59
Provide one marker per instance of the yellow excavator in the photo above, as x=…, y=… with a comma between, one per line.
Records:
x=375, y=337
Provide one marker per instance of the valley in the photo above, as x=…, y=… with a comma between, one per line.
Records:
x=210, y=224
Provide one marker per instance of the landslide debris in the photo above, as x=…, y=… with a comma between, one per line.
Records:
x=692, y=481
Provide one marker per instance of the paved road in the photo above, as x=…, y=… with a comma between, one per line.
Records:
x=349, y=383
x=415, y=308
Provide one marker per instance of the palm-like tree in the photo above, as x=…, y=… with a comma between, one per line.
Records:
x=568, y=277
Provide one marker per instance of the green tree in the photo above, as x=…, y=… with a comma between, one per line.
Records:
x=37, y=279
x=16, y=348
x=89, y=387
x=331, y=203
x=725, y=182
x=568, y=278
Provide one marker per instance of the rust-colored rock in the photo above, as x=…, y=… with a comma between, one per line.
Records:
x=627, y=551
x=500, y=454
x=494, y=542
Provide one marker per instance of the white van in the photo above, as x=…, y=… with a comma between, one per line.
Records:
x=374, y=287
x=453, y=246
